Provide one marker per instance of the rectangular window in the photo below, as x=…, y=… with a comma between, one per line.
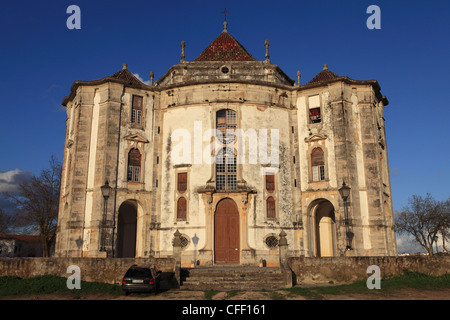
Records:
x=322, y=173
x=270, y=182
x=182, y=182
x=318, y=173
x=231, y=181
x=133, y=173
x=231, y=164
x=136, y=173
x=314, y=115
x=130, y=173
x=220, y=182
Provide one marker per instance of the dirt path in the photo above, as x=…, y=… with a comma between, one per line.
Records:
x=404, y=294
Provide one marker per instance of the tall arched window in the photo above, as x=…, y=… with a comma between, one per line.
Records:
x=181, y=208
x=134, y=165
x=317, y=165
x=271, y=211
x=226, y=125
x=226, y=169
x=136, y=109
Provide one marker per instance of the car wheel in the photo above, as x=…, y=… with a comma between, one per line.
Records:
x=126, y=293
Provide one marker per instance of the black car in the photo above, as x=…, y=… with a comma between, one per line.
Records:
x=141, y=279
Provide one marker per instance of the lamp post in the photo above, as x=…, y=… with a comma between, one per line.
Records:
x=106, y=190
x=345, y=193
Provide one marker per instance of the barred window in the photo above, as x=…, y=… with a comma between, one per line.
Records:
x=134, y=165
x=271, y=241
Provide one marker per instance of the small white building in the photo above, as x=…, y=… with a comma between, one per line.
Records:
x=17, y=245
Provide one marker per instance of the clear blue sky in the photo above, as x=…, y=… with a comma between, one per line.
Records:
x=409, y=56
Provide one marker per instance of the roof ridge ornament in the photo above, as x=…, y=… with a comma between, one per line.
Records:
x=183, y=44
x=266, y=43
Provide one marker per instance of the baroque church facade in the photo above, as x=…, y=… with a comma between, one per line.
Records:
x=229, y=151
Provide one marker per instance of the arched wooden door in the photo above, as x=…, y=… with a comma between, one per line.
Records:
x=226, y=233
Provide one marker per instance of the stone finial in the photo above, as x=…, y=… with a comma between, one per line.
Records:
x=183, y=44
x=177, y=240
x=266, y=44
x=298, y=77
x=225, y=24
x=325, y=67
x=124, y=66
x=152, y=75
x=283, y=240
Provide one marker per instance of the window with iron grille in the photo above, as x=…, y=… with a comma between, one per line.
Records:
x=318, y=165
x=136, y=109
x=134, y=165
x=271, y=241
x=226, y=169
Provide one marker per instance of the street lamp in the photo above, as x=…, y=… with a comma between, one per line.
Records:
x=345, y=193
x=106, y=190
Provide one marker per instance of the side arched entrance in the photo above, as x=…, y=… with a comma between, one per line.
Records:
x=126, y=229
x=226, y=233
x=324, y=228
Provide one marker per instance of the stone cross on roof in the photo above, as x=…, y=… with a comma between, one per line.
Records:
x=225, y=23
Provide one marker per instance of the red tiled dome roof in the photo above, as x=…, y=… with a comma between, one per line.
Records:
x=324, y=75
x=225, y=48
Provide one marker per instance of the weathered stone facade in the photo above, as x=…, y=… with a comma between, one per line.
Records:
x=153, y=144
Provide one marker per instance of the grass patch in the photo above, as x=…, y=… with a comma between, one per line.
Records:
x=13, y=286
x=277, y=296
x=232, y=293
x=210, y=293
x=416, y=280
x=409, y=279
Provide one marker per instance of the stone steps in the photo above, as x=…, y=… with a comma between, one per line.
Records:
x=232, y=278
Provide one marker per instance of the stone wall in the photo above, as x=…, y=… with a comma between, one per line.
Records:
x=92, y=269
x=349, y=269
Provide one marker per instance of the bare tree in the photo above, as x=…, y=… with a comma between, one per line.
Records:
x=37, y=204
x=445, y=222
x=422, y=219
x=5, y=221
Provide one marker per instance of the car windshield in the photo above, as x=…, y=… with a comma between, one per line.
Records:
x=138, y=272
